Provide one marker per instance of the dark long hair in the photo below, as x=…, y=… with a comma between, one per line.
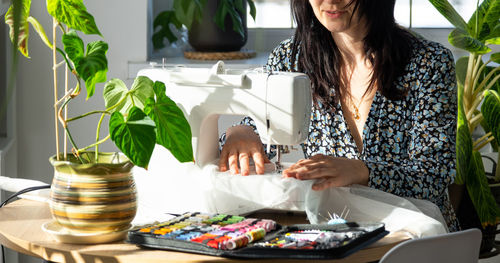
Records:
x=386, y=45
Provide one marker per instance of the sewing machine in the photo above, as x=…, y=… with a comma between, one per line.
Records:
x=278, y=102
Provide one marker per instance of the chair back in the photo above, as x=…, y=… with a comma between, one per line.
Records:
x=457, y=247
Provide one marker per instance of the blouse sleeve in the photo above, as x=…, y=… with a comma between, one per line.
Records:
x=278, y=60
x=429, y=165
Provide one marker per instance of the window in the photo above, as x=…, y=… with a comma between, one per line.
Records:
x=276, y=13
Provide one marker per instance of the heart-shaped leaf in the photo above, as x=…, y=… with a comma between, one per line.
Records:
x=93, y=66
x=74, y=14
x=135, y=137
x=173, y=130
x=73, y=46
x=118, y=98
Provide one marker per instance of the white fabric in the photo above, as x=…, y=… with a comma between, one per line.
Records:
x=171, y=187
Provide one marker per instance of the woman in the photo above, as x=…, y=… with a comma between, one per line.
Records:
x=384, y=111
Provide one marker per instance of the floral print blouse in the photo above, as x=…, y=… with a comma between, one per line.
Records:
x=408, y=145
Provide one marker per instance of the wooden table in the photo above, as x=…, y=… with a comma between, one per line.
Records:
x=20, y=230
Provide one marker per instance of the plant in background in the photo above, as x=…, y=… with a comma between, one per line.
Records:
x=139, y=118
x=478, y=86
x=187, y=12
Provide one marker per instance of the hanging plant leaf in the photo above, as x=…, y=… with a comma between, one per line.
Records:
x=41, y=32
x=463, y=40
x=74, y=14
x=135, y=137
x=448, y=11
x=23, y=28
x=172, y=128
x=479, y=191
x=464, y=142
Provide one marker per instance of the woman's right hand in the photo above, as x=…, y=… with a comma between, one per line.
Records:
x=242, y=143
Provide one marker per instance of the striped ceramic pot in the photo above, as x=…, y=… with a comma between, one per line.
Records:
x=96, y=196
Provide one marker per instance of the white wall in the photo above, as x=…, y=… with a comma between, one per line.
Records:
x=123, y=23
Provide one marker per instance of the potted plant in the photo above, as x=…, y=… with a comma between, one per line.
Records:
x=213, y=25
x=478, y=102
x=91, y=190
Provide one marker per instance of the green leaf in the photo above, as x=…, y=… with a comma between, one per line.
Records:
x=74, y=14
x=141, y=91
x=484, y=19
x=135, y=137
x=237, y=22
x=41, y=32
x=23, y=27
x=494, y=36
x=220, y=16
x=461, y=69
x=73, y=46
x=495, y=57
x=188, y=11
x=446, y=9
x=114, y=94
x=479, y=191
x=253, y=10
x=93, y=66
x=173, y=130
x=463, y=40
x=491, y=112
x=118, y=98
x=163, y=21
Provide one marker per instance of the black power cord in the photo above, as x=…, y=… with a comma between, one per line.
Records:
x=26, y=190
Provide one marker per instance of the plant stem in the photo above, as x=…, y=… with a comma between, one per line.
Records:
x=484, y=143
x=473, y=107
x=484, y=137
x=97, y=137
x=94, y=144
x=476, y=79
x=467, y=83
x=54, y=69
x=65, y=111
x=487, y=78
x=74, y=145
x=87, y=114
x=475, y=121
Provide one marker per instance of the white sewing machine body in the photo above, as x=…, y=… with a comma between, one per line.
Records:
x=279, y=103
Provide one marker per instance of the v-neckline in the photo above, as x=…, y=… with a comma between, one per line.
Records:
x=365, y=126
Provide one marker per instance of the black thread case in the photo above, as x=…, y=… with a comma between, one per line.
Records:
x=277, y=242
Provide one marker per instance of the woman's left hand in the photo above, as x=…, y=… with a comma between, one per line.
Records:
x=329, y=171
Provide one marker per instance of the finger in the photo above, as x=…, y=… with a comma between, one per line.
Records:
x=315, y=172
x=223, y=161
x=233, y=163
x=323, y=184
x=288, y=173
x=244, y=163
x=259, y=160
x=317, y=156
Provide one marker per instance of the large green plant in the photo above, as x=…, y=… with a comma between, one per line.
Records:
x=187, y=12
x=478, y=99
x=140, y=117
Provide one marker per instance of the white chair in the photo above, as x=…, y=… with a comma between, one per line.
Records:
x=456, y=247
